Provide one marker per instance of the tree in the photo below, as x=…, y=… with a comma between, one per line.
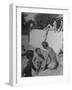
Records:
x=43, y=20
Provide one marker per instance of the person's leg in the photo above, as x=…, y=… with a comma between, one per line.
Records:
x=53, y=63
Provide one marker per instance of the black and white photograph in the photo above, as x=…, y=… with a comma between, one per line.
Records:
x=41, y=44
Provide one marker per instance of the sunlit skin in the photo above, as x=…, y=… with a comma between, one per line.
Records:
x=52, y=63
x=38, y=62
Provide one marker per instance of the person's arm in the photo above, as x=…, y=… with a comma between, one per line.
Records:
x=46, y=27
x=46, y=35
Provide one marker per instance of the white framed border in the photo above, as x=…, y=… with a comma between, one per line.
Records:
x=15, y=46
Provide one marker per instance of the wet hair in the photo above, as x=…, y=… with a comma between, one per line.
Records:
x=45, y=44
x=37, y=49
